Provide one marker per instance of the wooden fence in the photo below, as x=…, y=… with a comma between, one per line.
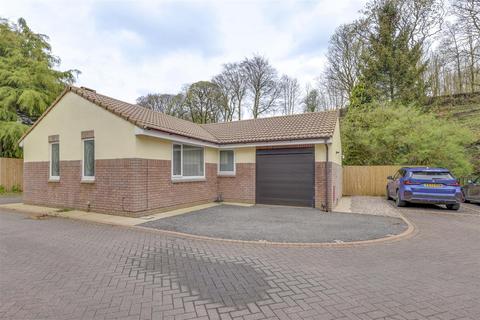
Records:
x=366, y=180
x=11, y=173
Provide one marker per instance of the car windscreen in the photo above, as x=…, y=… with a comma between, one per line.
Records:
x=425, y=175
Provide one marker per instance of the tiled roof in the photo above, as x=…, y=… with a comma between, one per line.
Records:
x=294, y=127
x=145, y=118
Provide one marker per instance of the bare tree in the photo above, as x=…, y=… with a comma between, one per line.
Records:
x=290, y=94
x=171, y=104
x=468, y=12
x=233, y=86
x=451, y=50
x=262, y=84
x=343, y=58
x=204, y=102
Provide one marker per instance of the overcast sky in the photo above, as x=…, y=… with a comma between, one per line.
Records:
x=129, y=48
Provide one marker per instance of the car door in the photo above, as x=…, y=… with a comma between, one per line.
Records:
x=473, y=190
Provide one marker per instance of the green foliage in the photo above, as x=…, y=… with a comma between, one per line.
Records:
x=10, y=133
x=312, y=101
x=28, y=80
x=391, y=64
x=2, y=189
x=380, y=134
x=16, y=188
x=360, y=95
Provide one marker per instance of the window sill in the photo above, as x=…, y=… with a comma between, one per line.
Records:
x=180, y=180
x=226, y=174
x=87, y=180
x=54, y=179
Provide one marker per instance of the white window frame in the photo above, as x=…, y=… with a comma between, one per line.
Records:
x=181, y=177
x=84, y=177
x=227, y=173
x=50, y=177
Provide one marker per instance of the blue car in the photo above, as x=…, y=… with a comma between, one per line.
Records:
x=424, y=185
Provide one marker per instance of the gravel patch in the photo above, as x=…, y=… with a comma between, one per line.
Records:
x=280, y=224
x=377, y=206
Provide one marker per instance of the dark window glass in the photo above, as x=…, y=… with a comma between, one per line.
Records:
x=89, y=158
x=55, y=166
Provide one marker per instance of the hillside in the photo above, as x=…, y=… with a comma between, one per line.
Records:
x=464, y=109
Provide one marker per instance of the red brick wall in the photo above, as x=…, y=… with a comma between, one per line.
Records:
x=160, y=192
x=134, y=186
x=241, y=187
x=113, y=190
x=334, y=178
x=122, y=186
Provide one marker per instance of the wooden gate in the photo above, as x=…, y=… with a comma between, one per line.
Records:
x=366, y=180
x=11, y=173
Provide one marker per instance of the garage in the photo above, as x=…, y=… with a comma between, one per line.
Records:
x=285, y=176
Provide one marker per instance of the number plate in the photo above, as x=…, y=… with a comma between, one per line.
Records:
x=433, y=185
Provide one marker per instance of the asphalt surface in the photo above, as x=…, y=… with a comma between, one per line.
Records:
x=10, y=198
x=280, y=224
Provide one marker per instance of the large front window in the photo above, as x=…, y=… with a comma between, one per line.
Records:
x=188, y=161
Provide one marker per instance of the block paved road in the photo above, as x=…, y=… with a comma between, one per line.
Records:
x=65, y=269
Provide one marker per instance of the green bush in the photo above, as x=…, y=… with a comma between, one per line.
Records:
x=382, y=134
x=2, y=189
x=16, y=188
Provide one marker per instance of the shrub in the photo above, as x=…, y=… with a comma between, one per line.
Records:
x=16, y=188
x=381, y=134
x=2, y=189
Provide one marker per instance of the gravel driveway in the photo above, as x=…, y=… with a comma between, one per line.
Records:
x=280, y=224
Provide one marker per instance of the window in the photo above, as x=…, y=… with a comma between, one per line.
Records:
x=227, y=162
x=88, y=172
x=187, y=162
x=431, y=175
x=54, y=161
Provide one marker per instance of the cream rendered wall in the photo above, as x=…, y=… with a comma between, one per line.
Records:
x=153, y=148
x=211, y=155
x=114, y=137
x=245, y=155
x=242, y=155
x=334, y=149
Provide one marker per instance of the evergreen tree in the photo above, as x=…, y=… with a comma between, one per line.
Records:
x=28, y=81
x=392, y=67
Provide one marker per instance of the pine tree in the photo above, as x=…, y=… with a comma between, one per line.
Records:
x=392, y=67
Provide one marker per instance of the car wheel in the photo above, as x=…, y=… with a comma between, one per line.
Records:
x=388, y=195
x=455, y=206
x=399, y=202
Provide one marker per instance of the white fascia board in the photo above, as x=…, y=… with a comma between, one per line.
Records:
x=196, y=142
x=173, y=137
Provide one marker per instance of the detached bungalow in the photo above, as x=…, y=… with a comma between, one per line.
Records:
x=92, y=152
